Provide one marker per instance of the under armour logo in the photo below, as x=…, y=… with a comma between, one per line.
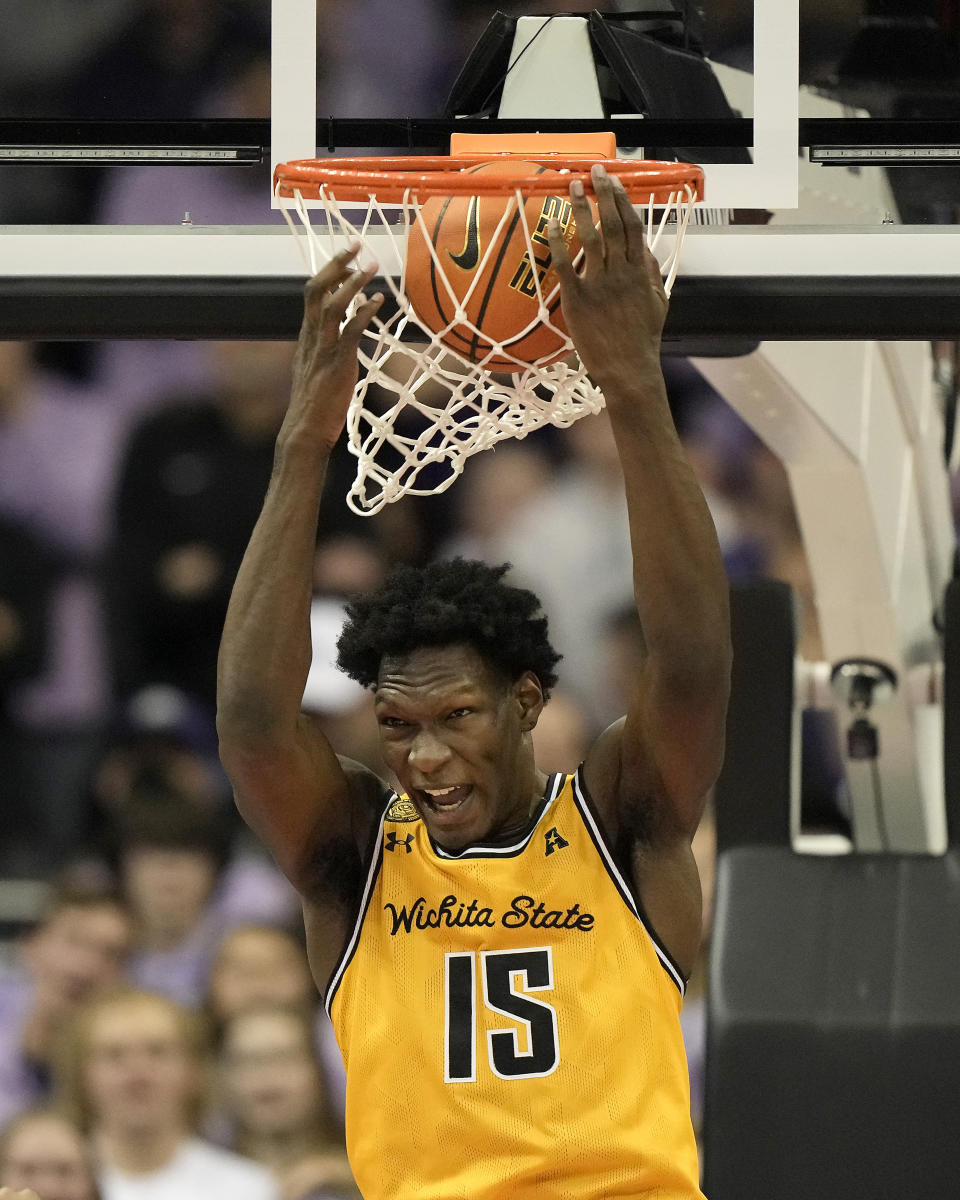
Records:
x=393, y=841
x=554, y=841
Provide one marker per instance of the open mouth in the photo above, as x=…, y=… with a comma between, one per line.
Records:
x=444, y=802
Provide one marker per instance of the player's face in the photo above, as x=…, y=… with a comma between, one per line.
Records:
x=456, y=739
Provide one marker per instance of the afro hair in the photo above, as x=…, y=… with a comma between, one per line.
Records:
x=442, y=604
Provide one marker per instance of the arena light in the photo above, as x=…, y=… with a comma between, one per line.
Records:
x=886, y=156
x=101, y=156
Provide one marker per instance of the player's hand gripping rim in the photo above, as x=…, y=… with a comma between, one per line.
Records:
x=615, y=306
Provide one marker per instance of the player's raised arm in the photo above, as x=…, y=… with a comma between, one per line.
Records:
x=289, y=784
x=657, y=766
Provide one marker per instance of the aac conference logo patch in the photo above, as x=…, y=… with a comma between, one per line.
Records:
x=402, y=810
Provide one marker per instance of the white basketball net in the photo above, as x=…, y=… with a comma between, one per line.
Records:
x=420, y=409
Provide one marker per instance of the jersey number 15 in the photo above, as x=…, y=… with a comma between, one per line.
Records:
x=509, y=976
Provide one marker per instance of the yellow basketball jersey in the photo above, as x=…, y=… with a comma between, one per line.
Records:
x=509, y=1026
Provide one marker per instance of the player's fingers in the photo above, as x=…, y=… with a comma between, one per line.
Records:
x=560, y=254
x=587, y=232
x=632, y=222
x=635, y=233
x=331, y=274
x=358, y=323
x=611, y=224
x=318, y=287
x=339, y=301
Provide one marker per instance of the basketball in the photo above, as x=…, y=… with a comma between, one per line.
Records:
x=490, y=272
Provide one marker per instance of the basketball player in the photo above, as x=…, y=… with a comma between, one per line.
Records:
x=503, y=953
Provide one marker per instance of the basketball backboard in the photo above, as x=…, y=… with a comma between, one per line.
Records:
x=791, y=69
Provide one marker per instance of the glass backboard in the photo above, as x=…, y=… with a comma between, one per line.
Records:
x=851, y=162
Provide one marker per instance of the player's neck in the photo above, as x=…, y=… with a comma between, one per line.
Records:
x=522, y=813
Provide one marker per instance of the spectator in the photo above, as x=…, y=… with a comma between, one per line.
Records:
x=24, y=598
x=720, y=448
x=274, y=1100
x=132, y=1075
x=572, y=530
x=160, y=738
x=164, y=60
x=258, y=967
x=192, y=481
x=313, y=1179
x=26, y=578
x=169, y=856
x=77, y=949
x=173, y=862
x=43, y=1151
x=339, y=705
x=163, y=751
x=58, y=447
x=494, y=489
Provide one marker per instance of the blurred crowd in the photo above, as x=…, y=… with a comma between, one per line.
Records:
x=159, y=1029
x=118, y=1082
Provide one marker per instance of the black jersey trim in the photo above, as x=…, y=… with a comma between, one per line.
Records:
x=490, y=849
x=376, y=860
x=588, y=811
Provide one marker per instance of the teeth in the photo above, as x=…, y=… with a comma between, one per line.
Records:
x=445, y=800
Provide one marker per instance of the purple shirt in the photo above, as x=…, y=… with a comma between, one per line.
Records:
x=57, y=464
x=22, y=1084
x=251, y=892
